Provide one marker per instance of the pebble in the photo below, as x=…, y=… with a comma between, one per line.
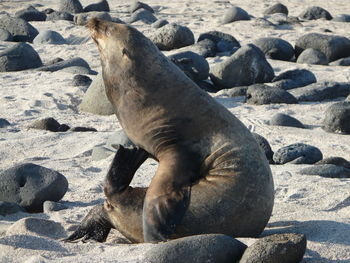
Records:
x=337, y=118
x=298, y=153
x=235, y=14
x=275, y=48
x=313, y=57
x=315, y=12
x=281, y=119
x=260, y=94
x=327, y=170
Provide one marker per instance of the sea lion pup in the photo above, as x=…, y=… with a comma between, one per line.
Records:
x=212, y=175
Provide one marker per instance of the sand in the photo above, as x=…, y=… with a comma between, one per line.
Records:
x=315, y=206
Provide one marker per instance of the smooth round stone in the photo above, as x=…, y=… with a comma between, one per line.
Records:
x=298, y=153
x=337, y=118
x=281, y=119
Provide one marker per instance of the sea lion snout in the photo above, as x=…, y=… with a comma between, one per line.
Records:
x=98, y=28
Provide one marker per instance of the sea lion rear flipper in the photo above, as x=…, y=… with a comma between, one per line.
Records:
x=95, y=226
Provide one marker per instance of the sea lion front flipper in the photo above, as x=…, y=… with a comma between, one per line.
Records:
x=95, y=226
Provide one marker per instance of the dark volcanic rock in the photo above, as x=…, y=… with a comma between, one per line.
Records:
x=82, y=18
x=205, y=48
x=321, y=91
x=342, y=18
x=70, y=6
x=20, y=29
x=5, y=35
x=214, y=248
x=278, y=248
x=30, y=185
x=246, y=66
x=235, y=14
x=276, y=8
x=223, y=42
x=312, y=56
x=18, y=57
x=275, y=48
x=205, y=85
x=339, y=161
x=142, y=15
x=81, y=80
x=160, y=23
x=327, y=170
x=83, y=129
x=264, y=144
x=263, y=94
x=193, y=65
x=49, y=124
x=337, y=118
x=31, y=14
x=57, y=15
x=172, y=36
x=50, y=206
x=4, y=123
x=298, y=153
x=341, y=62
x=101, y=6
x=136, y=5
x=334, y=47
x=8, y=208
x=296, y=78
x=49, y=37
x=315, y=12
x=281, y=119
x=74, y=62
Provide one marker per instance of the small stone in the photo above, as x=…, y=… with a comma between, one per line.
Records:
x=81, y=80
x=235, y=91
x=136, y=5
x=54, y=61
x=101, y=6
x=344, y=62
x=5, y=35
x=48, y=11
x=56, y=15
x=342, y=18
x=276, y=8
x=74, y=62
x=214, y=248
x=49, y=37
x=172, y=36
x=339, y=161
x=275, y=48
x=264, y=144
x=83, y=129
x=306, y=154
x=100, y=153
x=18, y=57
x=63, y=128
x=142, y=15
x=8, y=208
x=49, y=124
x=260, y=94
x=205, y=48
x=327, y=170
x=223, y=42
x=315, y=12
x=30, y=185
x=235, y=14
x=50, y=206
x=82, y=19
x=4, y=123
x=337, y=118
x=296, y=78
x=160, y=23
x=78, y=70
x=281, y=119
x=278, y=248
x=118, y=138
x=31, y=14
x=70, y=6
x=37, y=227
x=313, y=57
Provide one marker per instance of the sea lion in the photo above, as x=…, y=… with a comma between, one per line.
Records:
x=212, y=175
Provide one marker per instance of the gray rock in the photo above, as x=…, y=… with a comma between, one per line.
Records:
x=315, y=12
x=235, y=14
x=20, y=29
x=48, y=124
x=339, y=161
x=193, y=65
x=275, y=48
x=260, y=94
x=37, y=227
x=160, y=23
x=341, y=62
x=312, y=56
x=118, y=138
x=306, y=154
x=4, y=123
x=327, y=170
x=321, y=91
x=337, y=118
x=334, y=47
x=63, y=128
x=95, y=99
x=276, y=9
x=5, y=35
x=8, y=208
x=142, y=15
x=79, y=70
x=31, y=14
x=101, y=6
x=83, y=129
x=246, y=66
x=100, y=153
x=342, y=18
x=223, y=42
x=172, y=36
x=49, y=37
x=30, y=185
x=50, y=206
x=281, y=119
x=74, y=62
x=264, y=144
x=136, y=5
x=82, y=19
x=278, y=248
x=205, y=85
x=81, y=80
x=205, y=48
x=214, y=248
x=18, y=57
x=117, y=20
x=70, y=6
x=57, y=15
x=291, y=79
